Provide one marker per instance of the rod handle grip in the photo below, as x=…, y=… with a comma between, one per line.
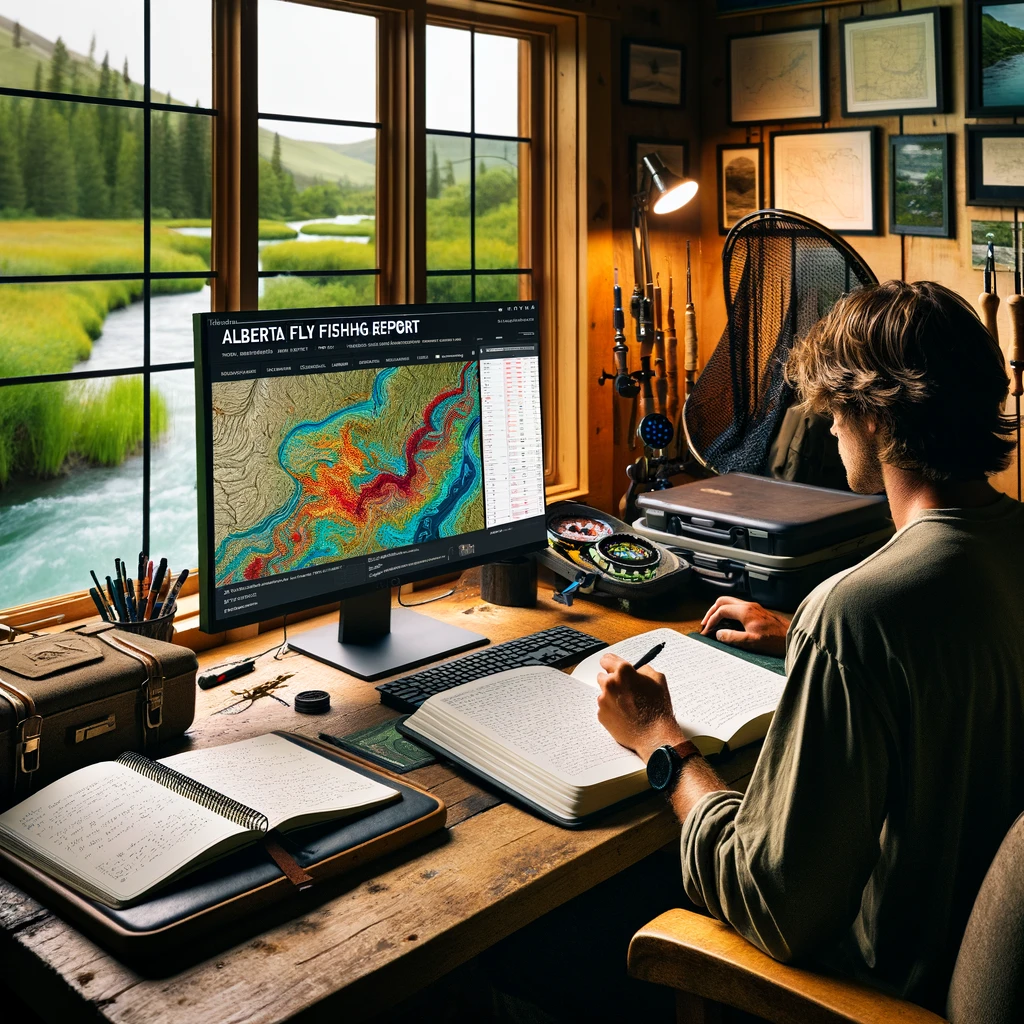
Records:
x=689, y=339
x=989, y=303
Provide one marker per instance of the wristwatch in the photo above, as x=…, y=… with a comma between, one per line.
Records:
x=666, y=765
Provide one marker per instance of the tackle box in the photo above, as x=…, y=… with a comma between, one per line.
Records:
x=770, y=541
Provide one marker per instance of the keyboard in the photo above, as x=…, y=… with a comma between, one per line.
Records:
x=555, y=647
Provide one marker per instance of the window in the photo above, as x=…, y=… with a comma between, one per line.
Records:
x=478, y=165
x=106, y=123
x=159, y=157
x=318, y=133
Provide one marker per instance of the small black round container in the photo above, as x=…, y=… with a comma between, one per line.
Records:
x=312, y=702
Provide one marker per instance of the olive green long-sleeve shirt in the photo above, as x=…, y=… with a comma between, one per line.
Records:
x=894, y=765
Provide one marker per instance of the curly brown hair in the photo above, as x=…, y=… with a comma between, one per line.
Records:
x=916, y=360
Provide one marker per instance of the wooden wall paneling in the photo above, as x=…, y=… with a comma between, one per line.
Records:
x=915, y=258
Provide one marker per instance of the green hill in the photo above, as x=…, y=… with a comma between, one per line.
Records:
x=311, y=161
x=999, y=40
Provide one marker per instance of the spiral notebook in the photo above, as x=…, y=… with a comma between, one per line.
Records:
x=120, y=830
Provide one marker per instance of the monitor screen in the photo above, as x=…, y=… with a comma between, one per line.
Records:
x=345, y=449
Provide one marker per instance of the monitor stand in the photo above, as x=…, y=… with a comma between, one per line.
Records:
x=372, y=640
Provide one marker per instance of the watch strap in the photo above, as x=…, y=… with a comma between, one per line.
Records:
x=685, y=750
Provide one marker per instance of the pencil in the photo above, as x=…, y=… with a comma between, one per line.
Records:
x=172, y=596
x=129, y=592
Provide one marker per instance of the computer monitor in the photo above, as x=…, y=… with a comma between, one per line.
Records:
x=345, y=451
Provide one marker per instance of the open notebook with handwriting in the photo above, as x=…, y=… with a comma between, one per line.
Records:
x=534, y=731
x=119, y=830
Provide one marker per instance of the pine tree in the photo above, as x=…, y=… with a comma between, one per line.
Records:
x=37, y=82
x=275, y=160
x=92, y=49
x=170, y=172
x=434, y=181
x=127, y=196
x=59, y=62
x=195, y=172
x=449, y=174
x=481, y=169
x=49, y=163
x=269, y=191
x=16, y=41
x=12, y=189
x=126, y=76
x=93, y=191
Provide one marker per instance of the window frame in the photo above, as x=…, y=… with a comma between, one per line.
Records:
x=555, y=229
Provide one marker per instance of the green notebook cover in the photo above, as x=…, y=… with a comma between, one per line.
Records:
x=768, y=661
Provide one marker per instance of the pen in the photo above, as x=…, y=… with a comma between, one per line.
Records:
x=129, y=592
x=108, y=613
x=100, y=606
x=650, y=655
x=154, y=587
x=122, y=601
x=113, y=598
x=172, y=596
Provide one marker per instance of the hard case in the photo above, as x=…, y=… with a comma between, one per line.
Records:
x=761, y=515
x=776, y=581
x=71, y=699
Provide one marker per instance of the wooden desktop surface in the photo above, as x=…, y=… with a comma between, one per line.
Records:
x=392, y=927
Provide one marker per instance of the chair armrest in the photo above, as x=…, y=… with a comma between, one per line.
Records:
x=697, y=954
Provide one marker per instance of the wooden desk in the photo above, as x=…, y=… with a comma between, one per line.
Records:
x=399, y=924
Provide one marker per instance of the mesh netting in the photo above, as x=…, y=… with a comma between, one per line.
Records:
x=782, y=273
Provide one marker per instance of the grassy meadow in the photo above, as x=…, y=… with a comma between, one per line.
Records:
x=48, y=328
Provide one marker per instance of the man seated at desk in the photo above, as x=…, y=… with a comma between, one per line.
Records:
x=895, y=762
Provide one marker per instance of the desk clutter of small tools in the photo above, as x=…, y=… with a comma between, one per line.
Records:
x=379, y=933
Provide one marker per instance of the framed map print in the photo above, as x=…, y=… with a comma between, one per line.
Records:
x=994, y=52
x=892, y=64
x=995, y=165
x=829, y=176
x=777, y=76
x=740, y=192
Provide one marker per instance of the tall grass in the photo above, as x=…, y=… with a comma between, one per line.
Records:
x=320, y=256
x=307, y=292
x=48, y=328
x=44, y=427
x=367, y=227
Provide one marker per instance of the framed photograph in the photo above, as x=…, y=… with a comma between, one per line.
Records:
x=740, y=192
x=921, y=185
x=1000, y=234
x=674, y=153
x=777, y=76
x=994, y=55
x=995, y=165
x=653, y=73
x=829, y=176
x=892, y=64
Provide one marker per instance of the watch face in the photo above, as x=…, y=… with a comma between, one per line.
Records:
x=660, y=769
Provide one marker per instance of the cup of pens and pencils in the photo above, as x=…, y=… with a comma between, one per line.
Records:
x=144, y=603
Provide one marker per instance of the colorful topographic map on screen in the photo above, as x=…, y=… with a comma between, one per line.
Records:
x=319, y=468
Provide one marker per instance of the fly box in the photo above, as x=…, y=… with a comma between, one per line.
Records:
x=74, y=698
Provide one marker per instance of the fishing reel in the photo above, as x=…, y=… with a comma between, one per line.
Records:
x=652, y=471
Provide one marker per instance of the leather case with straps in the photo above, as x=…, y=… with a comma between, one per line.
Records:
x=71, y=699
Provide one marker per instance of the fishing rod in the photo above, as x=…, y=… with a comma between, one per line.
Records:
x=1015, y=307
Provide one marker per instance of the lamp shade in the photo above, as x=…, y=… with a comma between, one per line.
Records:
x=670, y=192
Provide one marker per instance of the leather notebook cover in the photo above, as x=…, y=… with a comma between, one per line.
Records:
x=238, y=884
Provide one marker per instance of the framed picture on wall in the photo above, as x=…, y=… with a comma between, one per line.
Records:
x=921, y=185
x=892, y=64
x=674, y=153
x=827, y=175
x=777, y=76
x=740, y=192
x=653, y=73
x=995, y=165
x=994, y=55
